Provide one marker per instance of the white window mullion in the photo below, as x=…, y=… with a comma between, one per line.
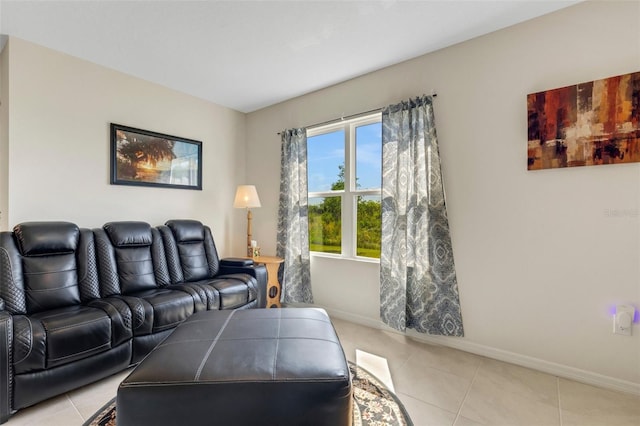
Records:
x=348, y=246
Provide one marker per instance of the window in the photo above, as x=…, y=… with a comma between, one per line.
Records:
x=344, y=165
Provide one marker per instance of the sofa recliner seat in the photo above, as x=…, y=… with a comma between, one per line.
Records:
x=132, y=268
x=57, y=330
x=193, y=260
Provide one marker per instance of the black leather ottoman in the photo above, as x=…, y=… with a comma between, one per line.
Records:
x=242, y=367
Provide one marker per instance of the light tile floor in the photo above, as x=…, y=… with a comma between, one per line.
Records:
x=444, y=386
x=439, y=386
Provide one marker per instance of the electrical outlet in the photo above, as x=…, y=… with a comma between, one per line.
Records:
x=623, y=319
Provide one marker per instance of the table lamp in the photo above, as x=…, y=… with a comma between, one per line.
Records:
x=247, y=197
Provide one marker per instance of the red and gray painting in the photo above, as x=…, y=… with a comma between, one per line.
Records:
x=584, y=125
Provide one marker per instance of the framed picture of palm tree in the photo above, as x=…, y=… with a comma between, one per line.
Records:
x=144, y=158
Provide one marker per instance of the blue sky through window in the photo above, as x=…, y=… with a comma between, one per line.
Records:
x=325, y=153
x=369, y=156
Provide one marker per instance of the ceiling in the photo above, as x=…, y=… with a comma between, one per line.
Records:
x=247, y=55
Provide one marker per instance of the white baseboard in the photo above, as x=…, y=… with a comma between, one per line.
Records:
x=559, y=370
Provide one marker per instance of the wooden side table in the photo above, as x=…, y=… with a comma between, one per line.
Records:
x=273, y=285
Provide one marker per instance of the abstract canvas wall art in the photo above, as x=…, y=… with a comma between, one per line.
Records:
x=586, y=124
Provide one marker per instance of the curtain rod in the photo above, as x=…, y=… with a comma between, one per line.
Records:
x=349, y=117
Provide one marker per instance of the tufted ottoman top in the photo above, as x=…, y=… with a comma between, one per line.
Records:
x=255, y=366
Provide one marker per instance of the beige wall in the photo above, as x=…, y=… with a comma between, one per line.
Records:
x=61, y=108
x=540, y=262
x=4, y=133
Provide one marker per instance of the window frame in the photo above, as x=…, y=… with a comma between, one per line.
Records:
x=348, y=196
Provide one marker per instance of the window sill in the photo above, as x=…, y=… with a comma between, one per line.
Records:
x=344, y=258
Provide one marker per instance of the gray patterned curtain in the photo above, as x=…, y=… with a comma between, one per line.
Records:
x=418, y=286
x=293, y=220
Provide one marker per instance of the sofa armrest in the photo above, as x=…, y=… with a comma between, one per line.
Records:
x=6, y=365
x=119, y=314
x=259, y=272
x=236, y=261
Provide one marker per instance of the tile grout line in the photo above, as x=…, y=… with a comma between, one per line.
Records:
x=467, y=393
x=74, y=407
x=559, y=401
x=405, y=362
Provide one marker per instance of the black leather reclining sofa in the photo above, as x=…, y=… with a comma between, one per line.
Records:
x=78, y=305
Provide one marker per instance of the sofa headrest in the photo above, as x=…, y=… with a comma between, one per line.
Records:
x=129, y=234
x=186, y=231
x=40, y=238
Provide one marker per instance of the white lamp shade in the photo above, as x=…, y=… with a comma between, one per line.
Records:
x=246, y=197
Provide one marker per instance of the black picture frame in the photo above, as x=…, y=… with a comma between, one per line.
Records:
x=145, y=158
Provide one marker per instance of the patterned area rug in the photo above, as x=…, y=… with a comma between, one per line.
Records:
x=374, y=404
